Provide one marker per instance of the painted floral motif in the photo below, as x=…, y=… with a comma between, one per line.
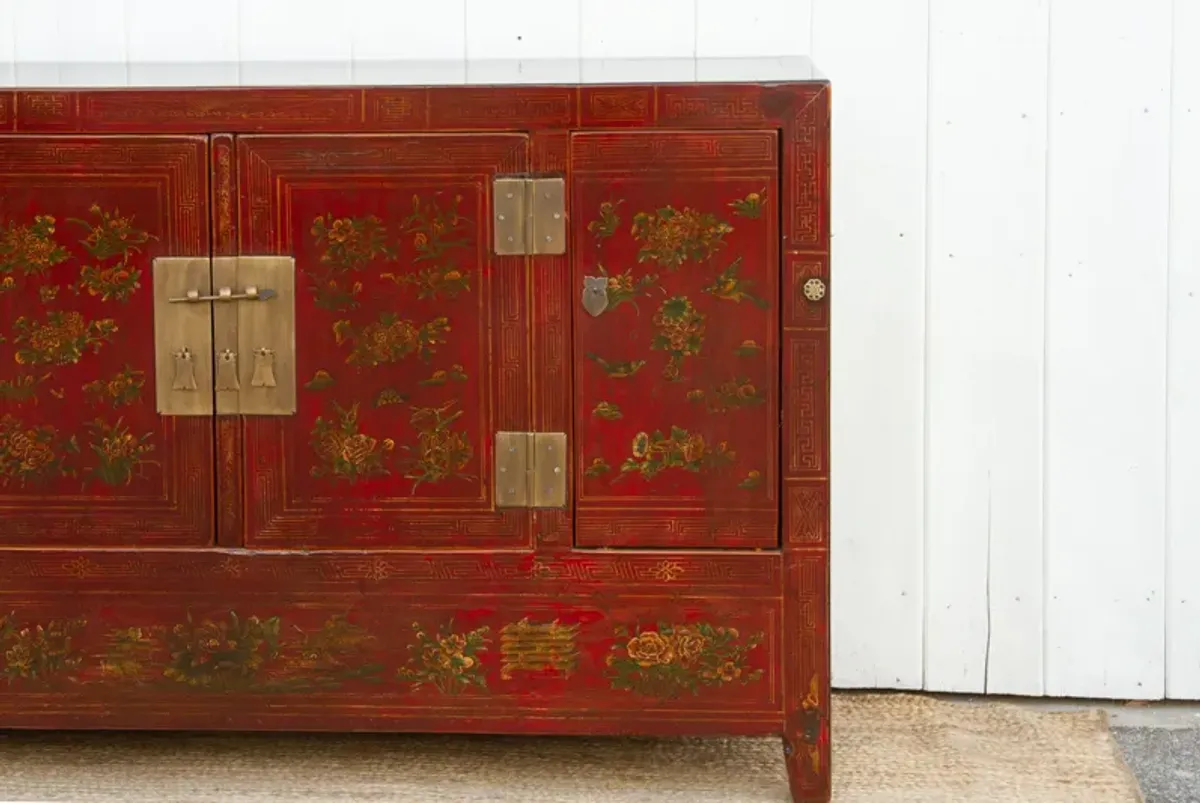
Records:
x=321, y=380
x=448, y=661
x=606, y=225
x=29, y=249
x=680, y=333
x=729, y=395
x=123, y=389
x=441, y=452
x=671, y=659
x=441, y=377
x=326, y=658
x=608, y=411
x=616, y=370
x=434, y=230
x=750, y=206
x=390, y=339
x=32, y=454
x=22, y=388
x=623, y=289
x=389, y=396
x=110, y=235
x=117, y=283
x=350, y=244
x=61, y=339
x=447, y=281
x=343, y=452
x=671, y=237
x=730, y=287
x=224, y=655
x=656, y=452
x=40, y=652
x=753, y=480
x=120, y=453
x=597, y=468
x=810, y=710
x=48, y=292
x=748, y=348
x=241, y=655
x=129, y=652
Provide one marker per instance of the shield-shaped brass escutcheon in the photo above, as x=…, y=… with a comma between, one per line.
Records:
x=595, y=294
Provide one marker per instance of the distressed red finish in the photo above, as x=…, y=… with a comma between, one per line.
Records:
x=409, y=325
x=84, y=457
x=345, y=567
x=675, y=378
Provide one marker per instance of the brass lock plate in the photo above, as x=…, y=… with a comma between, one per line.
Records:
x=183, y=337
x=255, y=339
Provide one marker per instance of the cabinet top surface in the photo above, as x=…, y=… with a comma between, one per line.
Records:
x=497, y=72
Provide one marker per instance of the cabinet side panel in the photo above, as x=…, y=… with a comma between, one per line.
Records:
x=805, y=401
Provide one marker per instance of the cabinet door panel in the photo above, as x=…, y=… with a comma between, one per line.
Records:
x=676, y=263
x=85, y=459
x=411, y=341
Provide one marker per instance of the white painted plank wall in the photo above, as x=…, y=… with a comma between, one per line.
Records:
x=1182, y=593
x=984, y=342
x=1016, y=371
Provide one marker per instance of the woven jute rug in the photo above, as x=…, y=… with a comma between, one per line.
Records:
x=888, y=748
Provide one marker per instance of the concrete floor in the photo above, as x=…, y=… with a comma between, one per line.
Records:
x=1161, y=743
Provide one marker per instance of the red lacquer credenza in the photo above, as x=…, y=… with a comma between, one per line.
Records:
x=462, y=409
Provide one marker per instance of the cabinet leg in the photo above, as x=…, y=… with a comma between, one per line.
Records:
x=807, y=766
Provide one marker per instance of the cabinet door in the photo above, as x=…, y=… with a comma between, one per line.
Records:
x=676, y=264
x=411, y=341
x=85, y=459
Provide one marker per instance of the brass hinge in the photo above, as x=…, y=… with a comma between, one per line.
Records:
x=231, y=351
x=529, y=215
x=531, y=469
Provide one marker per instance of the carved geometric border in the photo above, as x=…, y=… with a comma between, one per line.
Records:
x=799, y=109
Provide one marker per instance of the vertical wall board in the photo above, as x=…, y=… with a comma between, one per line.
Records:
x=167, y=48
x=91, y=41
x=36, y=48
x=1183, y=367
x=878, y=299
x=761, y=28
x=409, y=42
x=984, y=346
x=527, y=41
x=1106, y=347
x=661, y=47
x=8, y=44
x=294, y=42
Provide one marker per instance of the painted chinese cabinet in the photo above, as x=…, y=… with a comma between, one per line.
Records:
x=467, y=409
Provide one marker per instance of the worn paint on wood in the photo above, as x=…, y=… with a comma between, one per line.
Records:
x=361, y=553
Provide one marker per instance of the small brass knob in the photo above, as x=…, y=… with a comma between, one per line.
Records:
x=814, y=289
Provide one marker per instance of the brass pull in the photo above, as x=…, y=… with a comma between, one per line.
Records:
x=226, y=294
x=264, y=368
x=185, y=370
x=227, y=372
